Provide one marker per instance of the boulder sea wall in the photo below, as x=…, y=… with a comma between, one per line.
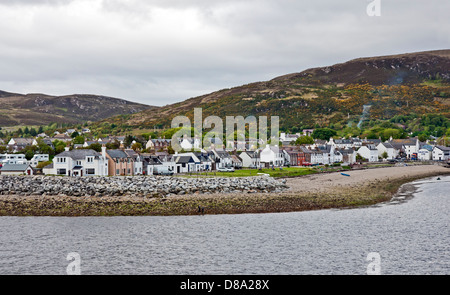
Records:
x=140, y=186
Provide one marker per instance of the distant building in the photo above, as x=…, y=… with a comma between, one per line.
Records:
x=18, y=144
x=13, y=159
x=286, y=139
x=187, y=162
x=38, y=158
x=16, y=169
x=425, y=153
x=119, y=163
x=271, y=155
x=158, y=144
x=250, y=159
x=307, y=132
x=389, y=149
x=62, y=137
x=368, y=152
x=441, y=153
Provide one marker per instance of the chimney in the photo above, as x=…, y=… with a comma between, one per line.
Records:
x=104, y=151
x=67, y=148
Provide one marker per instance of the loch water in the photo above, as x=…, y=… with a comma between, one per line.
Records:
x=410, y=234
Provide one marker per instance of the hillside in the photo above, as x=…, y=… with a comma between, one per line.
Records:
x=410, y=68
x=393, y=85
x=41, y=109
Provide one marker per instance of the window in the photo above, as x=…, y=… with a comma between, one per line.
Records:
x=61, y=171
x=78, y=163
x=90, y=171
x=90, y=160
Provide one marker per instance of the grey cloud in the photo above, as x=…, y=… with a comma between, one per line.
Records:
x=34, y=2
x=160, y=52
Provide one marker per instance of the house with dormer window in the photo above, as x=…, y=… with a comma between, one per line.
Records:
x=80, y=162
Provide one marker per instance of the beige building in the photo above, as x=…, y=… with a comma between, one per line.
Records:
x=119, y=163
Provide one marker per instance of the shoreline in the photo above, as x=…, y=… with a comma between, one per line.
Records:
x=310, y=192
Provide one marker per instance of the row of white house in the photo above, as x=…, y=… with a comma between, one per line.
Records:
x=80, y=162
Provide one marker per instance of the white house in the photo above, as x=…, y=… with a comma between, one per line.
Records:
x=38, y=158
x=13, y=159
x=250, y=159
x=18, y=144
x=411, y=147
x=316, y=156
x=425, y=153
x=386, y=147
x=286, y=139
x=187, y=162
x=329, y=154
x=272, y=155
x=206, y=162
x=441, y=153
x=22, y=141
x=70, y=131
x=369, y=152
x=190, y=143
x=222, y=158
x=348, y=156
x=16, y=169
x=151, y=164
x=80, y=162
x=156, y=164
x=341, y=143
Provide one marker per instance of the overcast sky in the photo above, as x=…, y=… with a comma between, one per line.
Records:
x=165, y=51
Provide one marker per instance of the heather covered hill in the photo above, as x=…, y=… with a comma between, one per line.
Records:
x=394, y=85
x=411, y=68
x=41, y=109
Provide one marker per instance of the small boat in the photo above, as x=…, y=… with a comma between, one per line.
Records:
x=345, y=174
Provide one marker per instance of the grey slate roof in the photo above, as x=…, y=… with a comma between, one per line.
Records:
x=388, y=145
x=443, y=148
x=78, y=154
x=14, y=167
x=184, y=159
x=117, y=154
x=49, y=166
x=26, y=141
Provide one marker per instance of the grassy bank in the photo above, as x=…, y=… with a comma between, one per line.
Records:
x=342, y=197
x=276, y=172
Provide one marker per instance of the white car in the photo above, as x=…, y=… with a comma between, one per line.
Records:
x=225, y=169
